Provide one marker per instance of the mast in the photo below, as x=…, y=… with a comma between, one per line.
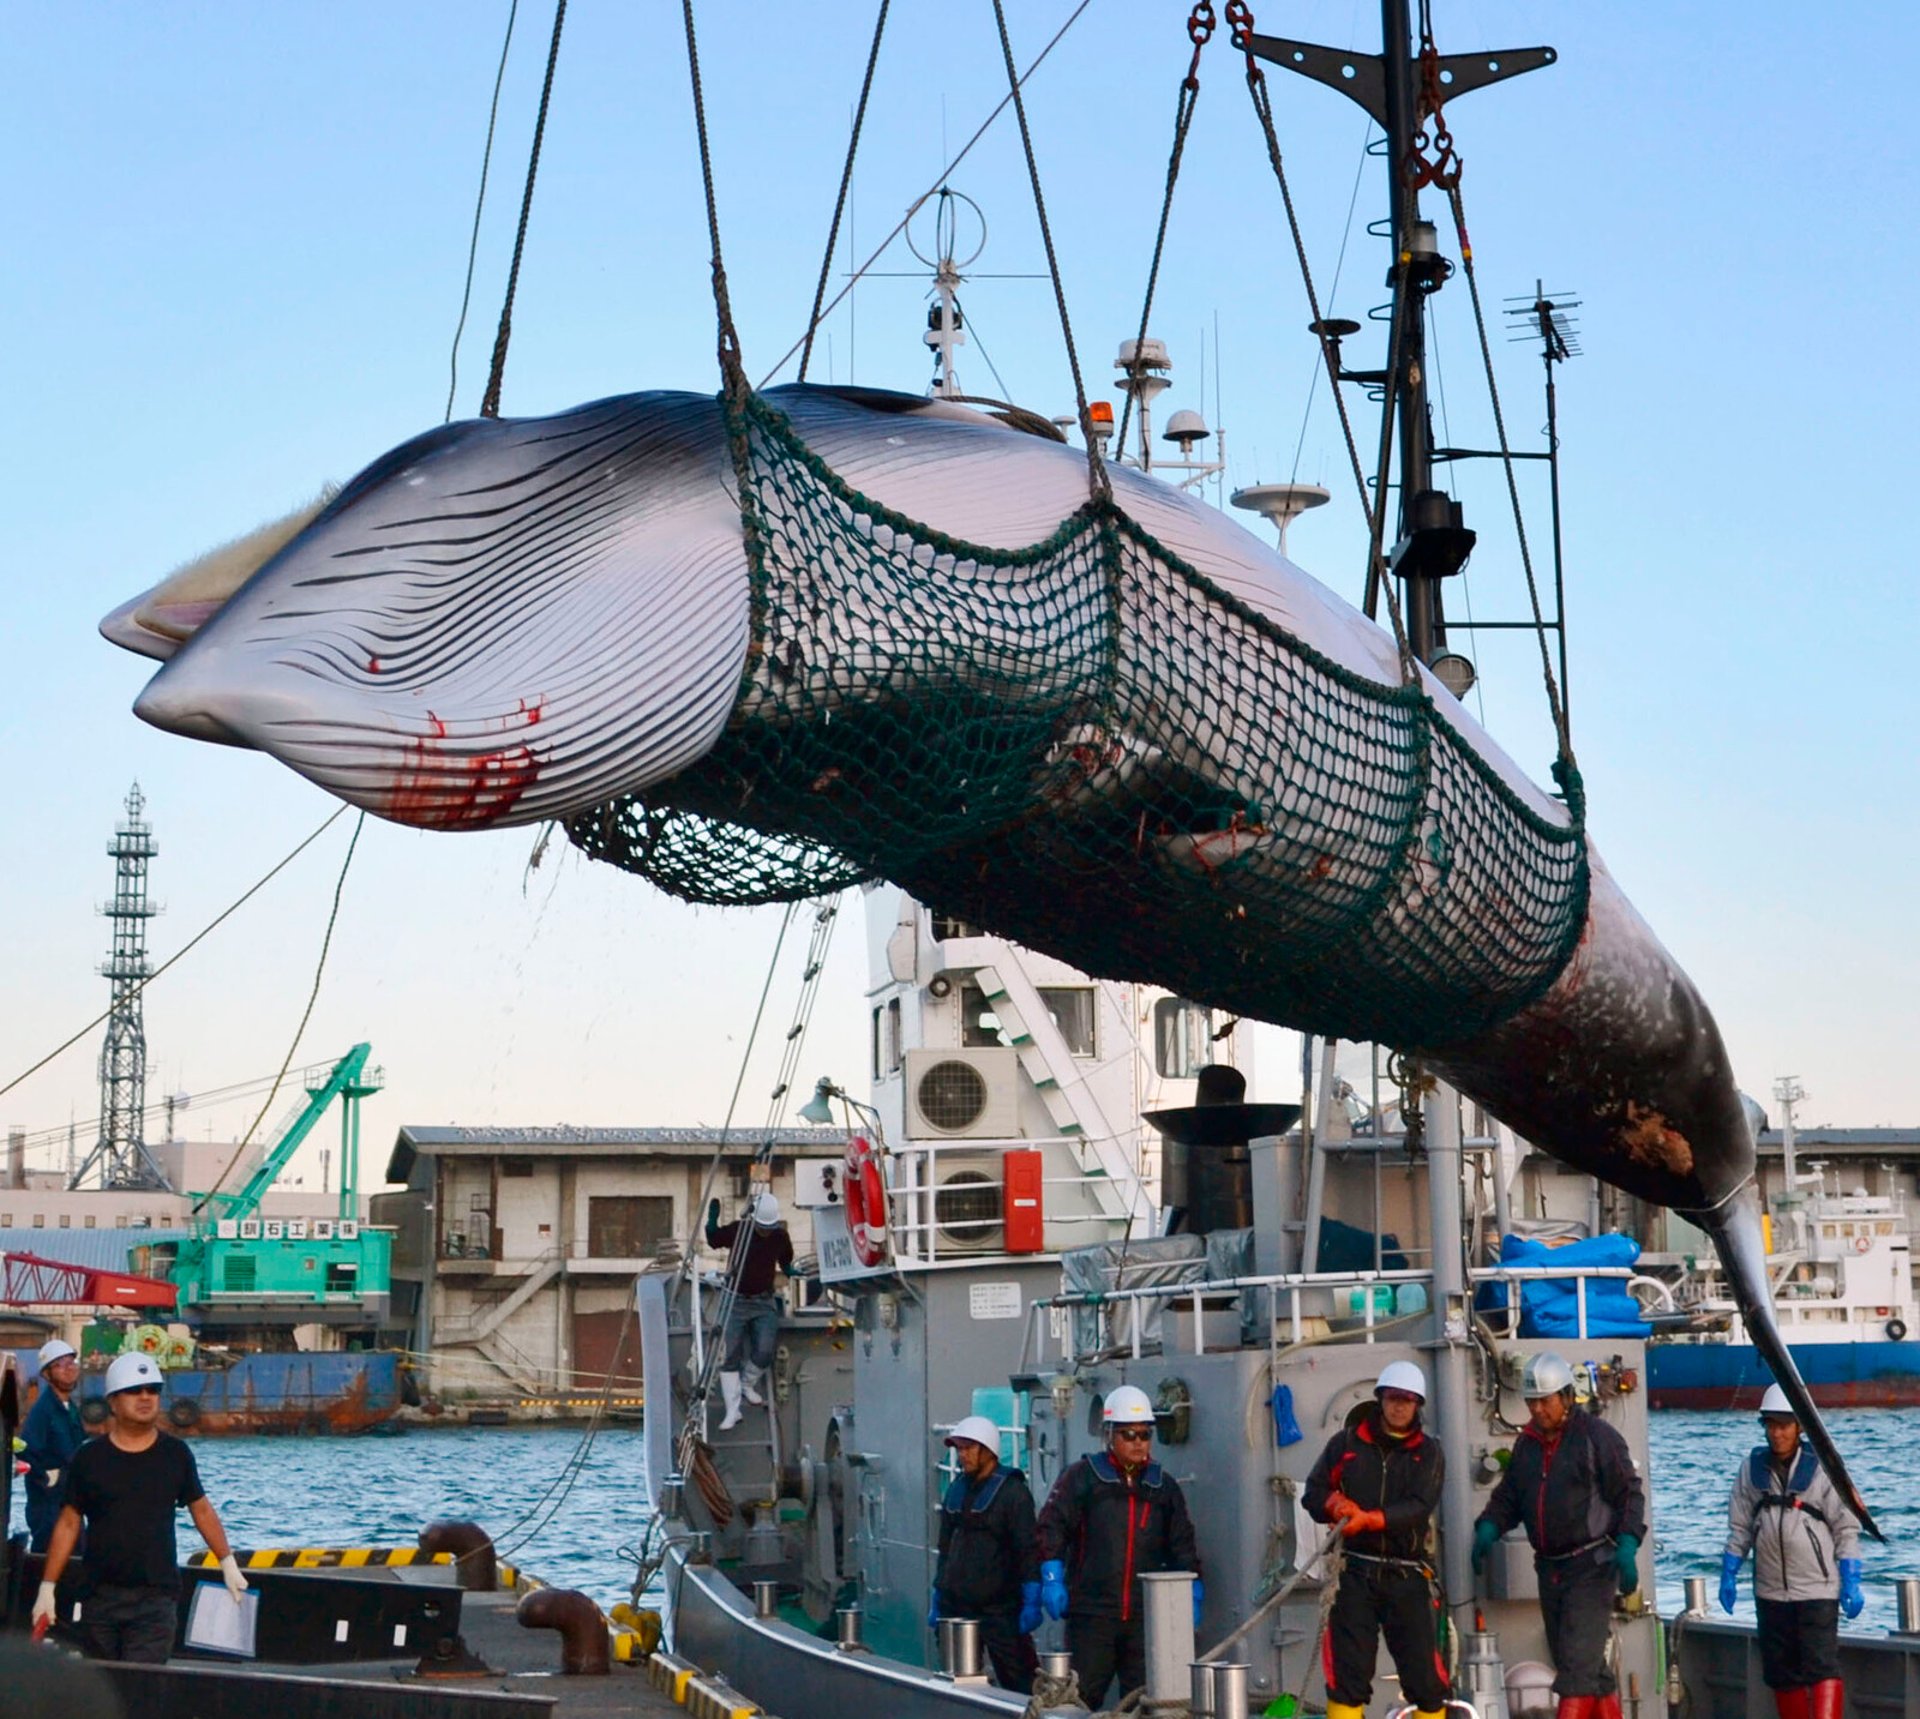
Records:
x=1400, y=88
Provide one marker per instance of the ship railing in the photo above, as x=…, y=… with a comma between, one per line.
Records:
x=1304, y=1296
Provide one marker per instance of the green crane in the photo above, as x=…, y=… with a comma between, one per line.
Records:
x=238, y=1265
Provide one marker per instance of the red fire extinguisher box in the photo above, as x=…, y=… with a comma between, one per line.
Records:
x=1026, y=1212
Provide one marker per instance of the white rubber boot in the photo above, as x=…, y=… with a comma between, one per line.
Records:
x=730, y=1395
x=750, y=1377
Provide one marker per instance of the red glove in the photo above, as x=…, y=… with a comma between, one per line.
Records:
x=1364, y=1522
x=1340, y=1507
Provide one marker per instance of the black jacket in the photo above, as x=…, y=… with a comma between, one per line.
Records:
x=988, y=1546
x=1398, y=1477
x=1580, y=1489
x=1110, y=1528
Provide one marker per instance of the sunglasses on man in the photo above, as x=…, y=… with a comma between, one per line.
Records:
x=1142, y=1433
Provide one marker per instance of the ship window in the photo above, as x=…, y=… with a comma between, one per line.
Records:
x=945, y=926
x=120, y=1222
x=39, y=1220
x=66, y=1220
x=341, y=1275
x=1828, y=1231
x=886, y=1040
x=1071, y=1007
x=979, y=1025
x=89, y=1220
x=627, y=1226
x=516, y=1166
x=1182, y=1037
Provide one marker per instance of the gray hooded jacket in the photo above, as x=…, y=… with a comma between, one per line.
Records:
x=1795, y=1525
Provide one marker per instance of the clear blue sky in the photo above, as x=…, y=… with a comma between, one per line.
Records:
x=236, y=242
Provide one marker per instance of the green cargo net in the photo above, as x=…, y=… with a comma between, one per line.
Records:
x=1088, y=747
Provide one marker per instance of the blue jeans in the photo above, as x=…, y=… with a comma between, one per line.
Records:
x=753, y=1333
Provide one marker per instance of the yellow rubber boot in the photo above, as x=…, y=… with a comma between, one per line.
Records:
x=1429, y=1713
x=1345, y=1710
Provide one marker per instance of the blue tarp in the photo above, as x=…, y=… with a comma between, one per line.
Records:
x=1549, y=1309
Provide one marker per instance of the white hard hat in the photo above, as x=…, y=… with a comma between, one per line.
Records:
x=1126, y=1405
x=1401, y=1376
x=766, y=1210
x=1545, y=1376
x=55, y=1349
x=979, y=1429
x=1775, y=1403
x=130, y=1370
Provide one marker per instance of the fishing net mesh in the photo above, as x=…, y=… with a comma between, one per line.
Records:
x=1088, y=747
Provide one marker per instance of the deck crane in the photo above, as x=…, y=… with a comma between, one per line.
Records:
x=238, y=1265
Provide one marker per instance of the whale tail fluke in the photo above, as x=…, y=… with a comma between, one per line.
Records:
x=1735, y=1227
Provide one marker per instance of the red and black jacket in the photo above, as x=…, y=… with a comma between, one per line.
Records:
x=1572, y=1493
x=1400, y=1478
x=1110, y=1528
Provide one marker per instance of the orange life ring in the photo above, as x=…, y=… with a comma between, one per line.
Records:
x=866, y=1198
x=1862, y=1243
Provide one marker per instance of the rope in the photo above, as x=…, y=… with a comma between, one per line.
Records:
x=1240, y=19
x=1329, y=1548
x=1200, y=27
x=1098, y=482
x=846, y=181
x=490, y=402
x=1554, y=701
x=313, y=996
x=479, y=203
x=1052, y=1693
x=179, y=954
x=915, y=206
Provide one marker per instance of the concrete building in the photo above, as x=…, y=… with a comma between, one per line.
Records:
x=516, y=1248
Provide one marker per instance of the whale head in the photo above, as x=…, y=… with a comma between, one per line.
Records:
x=495, y=623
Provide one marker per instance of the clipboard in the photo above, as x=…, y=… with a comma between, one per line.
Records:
x=215, y=1624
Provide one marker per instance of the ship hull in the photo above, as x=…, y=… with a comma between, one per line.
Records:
x=321, y=1393
x=1732, y=1375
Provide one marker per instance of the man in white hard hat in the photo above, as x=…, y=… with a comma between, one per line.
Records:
x=1110, y=1519
x=1379, y=1478
x=988, y=1565
x=51, y=1434
x=1806, y=1564
x=753, y=1321
x=1572, y=1483
x=125, y=1486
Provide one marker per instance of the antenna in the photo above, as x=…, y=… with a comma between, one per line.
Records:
x=120, y=1156
x=1282, y=503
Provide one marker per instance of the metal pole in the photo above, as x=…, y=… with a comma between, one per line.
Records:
x=1452, y=1377
x=1553, y=484
x=1426, y=627
x=1167, y=1610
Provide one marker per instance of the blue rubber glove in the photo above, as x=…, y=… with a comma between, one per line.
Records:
x=933, y=1609
x=1852, y=1597
x=1626, y=1561
x=1484, y=1536
x=1053, y=1587
x=1199, y=1598
x=1730, y=1580
x=1030, y=1614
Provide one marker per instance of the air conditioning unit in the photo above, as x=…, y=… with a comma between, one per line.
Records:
x=970, y=1094
x=969, y=1204
x=348, y=1229
x=296, y=1229
x=273, y=1229
x=249, y=1229
x=323, y=1229
x=227, y=1229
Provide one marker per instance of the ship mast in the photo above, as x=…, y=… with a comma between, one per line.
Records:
x=1401, y=87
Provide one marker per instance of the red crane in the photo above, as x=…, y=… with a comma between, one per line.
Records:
x=28, y=1280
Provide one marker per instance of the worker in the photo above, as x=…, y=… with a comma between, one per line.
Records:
x=1572, y=1484
x=51, y=1434
x=989, y=1559
x=125, y=1487
x=1379, y=1480
x=1111, y=1518
x=1806, y=1564
x=753, y=1320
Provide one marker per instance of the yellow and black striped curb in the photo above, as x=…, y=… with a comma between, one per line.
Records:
x=715, y=1698
x=354, y=1558
x=670, y=1674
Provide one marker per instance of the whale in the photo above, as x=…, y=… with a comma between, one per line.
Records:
x=509, y=621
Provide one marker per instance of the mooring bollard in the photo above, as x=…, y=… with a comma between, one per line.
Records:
x=850, y=1618
x=766, y=1599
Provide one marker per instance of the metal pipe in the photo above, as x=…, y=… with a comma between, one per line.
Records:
x=1201, y=1707
x=1167, y=1608
x=1453, y=1380
x=960, y=1648
x=1058, y=1666
x=1696, y=1606
x=1909, y=1605
x=585, y=1646
x=766, y=1599
x=471, y=1548
x=1229, y=1692
x=849, y=1619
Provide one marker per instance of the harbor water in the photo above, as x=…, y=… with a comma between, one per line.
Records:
x=573, y=1518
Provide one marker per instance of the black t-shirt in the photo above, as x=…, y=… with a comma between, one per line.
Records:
x=128, y=1498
